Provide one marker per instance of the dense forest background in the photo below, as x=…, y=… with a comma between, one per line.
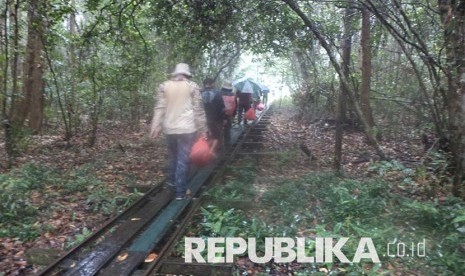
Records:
x=69, y=65
x=386, y=67
x=394, y=70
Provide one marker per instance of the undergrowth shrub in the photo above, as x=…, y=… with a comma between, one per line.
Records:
x=232, y=190
x=325, y=205
x=18, y=214
x=430, y=176
x=34, y=187
x=244, y=170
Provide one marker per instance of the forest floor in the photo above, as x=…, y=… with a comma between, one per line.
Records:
x=64, y=192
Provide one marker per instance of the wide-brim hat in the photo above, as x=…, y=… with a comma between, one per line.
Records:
x=182, y=69
x=227, y=85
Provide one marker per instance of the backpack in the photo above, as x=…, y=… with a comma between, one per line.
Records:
x=229, y=105
x=213, y=103
x=208, y=96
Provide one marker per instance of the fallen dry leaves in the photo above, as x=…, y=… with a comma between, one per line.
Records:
x=124, y=152
x=121, y=151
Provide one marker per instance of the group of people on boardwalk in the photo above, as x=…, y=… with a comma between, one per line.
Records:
x=185, y=112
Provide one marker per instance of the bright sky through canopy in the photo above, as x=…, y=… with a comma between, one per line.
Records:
x=252, y=66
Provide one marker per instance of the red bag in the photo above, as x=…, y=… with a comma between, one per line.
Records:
x=250, y=114
x=229, y=105
x=200, y=154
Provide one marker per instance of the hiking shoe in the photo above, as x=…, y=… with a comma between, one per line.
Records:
x=186, y=196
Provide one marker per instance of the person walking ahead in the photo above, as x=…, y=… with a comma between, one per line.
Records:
x=214, y=110
x=179, y=113
x=244, y=102
x=230, y=111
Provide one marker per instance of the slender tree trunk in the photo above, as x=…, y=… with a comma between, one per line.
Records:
x=365, y=87
x=95, y=113
x=59, y=100
x=308, y=104
x=135, y=109
x=4, y=49
x=302, y=62
x=453, y=20
x=433, y=104
x=16, y=50
x=346, y=48
x=70, y=120
x=344, y=81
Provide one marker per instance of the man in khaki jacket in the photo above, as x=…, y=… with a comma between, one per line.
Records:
x=179, y=113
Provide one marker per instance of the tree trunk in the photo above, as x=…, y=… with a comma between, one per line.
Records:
x=346, y=49
x=135, y=109
x=71, y=118
x=5, y=56
x=453, y=20
x=365, y=87
x=31, y=103
x=4, y=49
x=399, y=20
x=302, y=62
x=344, y=81
x=36, y=85
x=95, y=113
x=15, y=61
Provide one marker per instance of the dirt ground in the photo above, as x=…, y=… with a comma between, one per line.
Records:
x=121, y=152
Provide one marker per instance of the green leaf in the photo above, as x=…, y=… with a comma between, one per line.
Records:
x=217, y=227
x=337, y=228
x=459, y=219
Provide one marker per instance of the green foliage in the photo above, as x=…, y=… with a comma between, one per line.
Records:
x=57, y=11
x=18, y=215
x=214, y=221
x=384, y=167
x=108, y=201
x=436, y=167
x=353, y=199
x=232, y=190
x=27, y=190
x=324, y=205
x=367, y=209
x=432, y=175
x=244, y=170
x=78, y=238
x=217, y=222
x=289, y=203
x=78, y=181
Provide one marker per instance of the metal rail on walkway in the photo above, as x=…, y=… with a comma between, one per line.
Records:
x=121, y=245
x=166, y=265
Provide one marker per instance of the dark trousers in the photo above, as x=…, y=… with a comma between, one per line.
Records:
x=265, y=98
x=227, y=131
x=240, y=112
x=216, y=132
x=179, y=148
